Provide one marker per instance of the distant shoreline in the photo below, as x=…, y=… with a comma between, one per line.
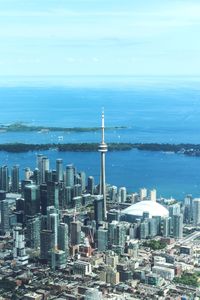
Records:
x=186, y=149
x=21, y=127
x=95, y=82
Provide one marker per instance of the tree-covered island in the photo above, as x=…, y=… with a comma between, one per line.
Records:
x=187, y=149
x=21, y=127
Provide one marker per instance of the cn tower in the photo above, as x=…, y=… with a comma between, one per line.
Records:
x=103, y=148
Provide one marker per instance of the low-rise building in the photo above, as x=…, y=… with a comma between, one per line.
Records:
x=82, y=268
x=164, y=272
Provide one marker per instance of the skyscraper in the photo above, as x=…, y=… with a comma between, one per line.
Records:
x=43, y=198
x=178, y=226
x=166, y=226
x=39, y=166
x=188, y=209
x=144, y=229
x=90, y=186
x=33, y=227
x=76, y=191
x=196, y=211
x=103, y=148
x=32, y=200
x=27, y=173
x=52, y=223
x=52, y=194
x=82, y=180
x=36, y=176
x=70, y=175
x=122, y=194
x=116, y=234
x=98, y=209
x=113, y=193
x=4, y=216
x=75, y=233
x=68, y=197
x=143, y=194
x=45, y=168
x=153, y=195
x=174, y=209
x=19, y=251
x=59, y=169
x=15, y=179
x=63, y=240
x=102, y=239
x=4, y=178
x=47, y=238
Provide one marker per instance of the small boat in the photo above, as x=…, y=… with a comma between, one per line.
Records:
x=44, y=130
x=60, y=138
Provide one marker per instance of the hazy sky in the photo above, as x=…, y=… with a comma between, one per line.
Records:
x=99, y=37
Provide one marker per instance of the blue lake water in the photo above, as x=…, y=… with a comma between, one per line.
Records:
x=164, y=115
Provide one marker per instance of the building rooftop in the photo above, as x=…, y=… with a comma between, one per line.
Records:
x=153, y=208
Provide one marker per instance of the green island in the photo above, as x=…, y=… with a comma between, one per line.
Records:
x=80, y=147
x=155, y=245
x=186, y=149
x=191, y=279
x=21, y=127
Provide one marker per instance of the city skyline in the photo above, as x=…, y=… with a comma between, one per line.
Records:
x=61, y=220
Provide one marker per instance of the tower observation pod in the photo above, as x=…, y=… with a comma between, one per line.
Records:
x=103, y=148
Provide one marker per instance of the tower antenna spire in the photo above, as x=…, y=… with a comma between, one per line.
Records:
x=103, y=126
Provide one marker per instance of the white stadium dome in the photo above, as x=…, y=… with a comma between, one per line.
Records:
x=153, y=208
